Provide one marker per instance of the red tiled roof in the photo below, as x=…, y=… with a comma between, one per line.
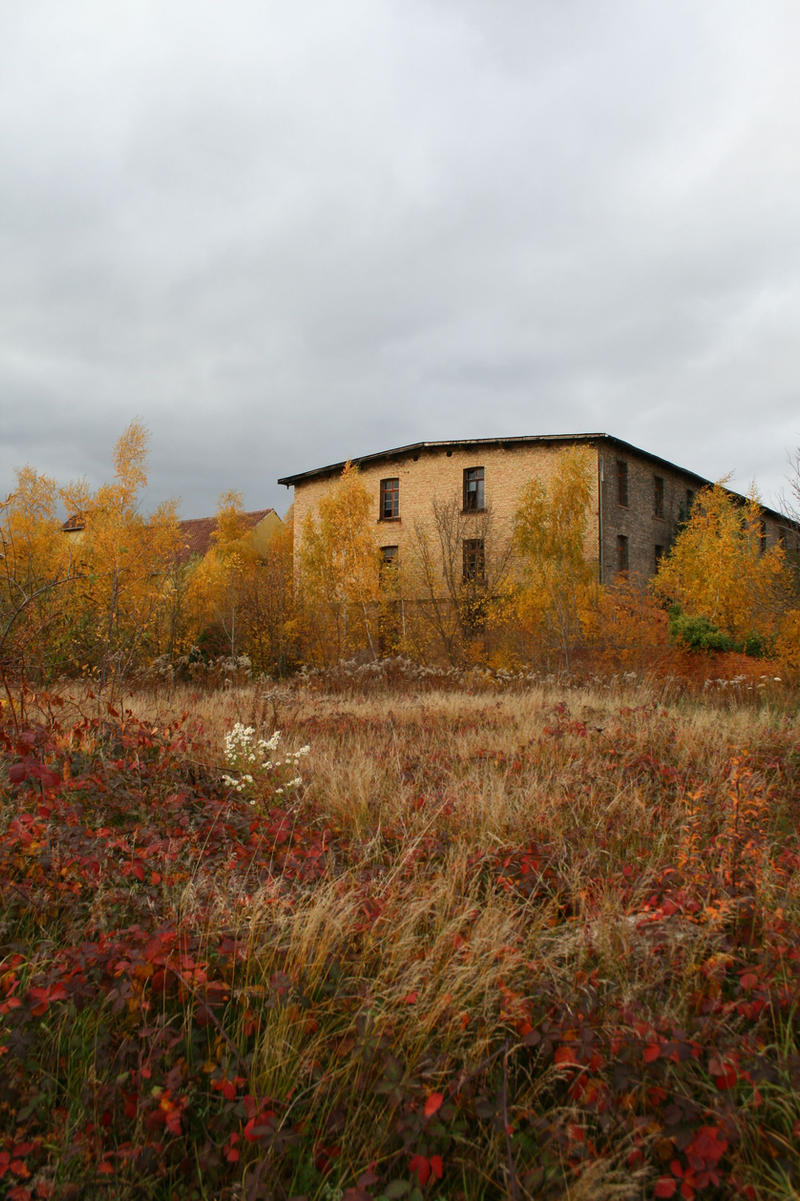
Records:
x=196, y=532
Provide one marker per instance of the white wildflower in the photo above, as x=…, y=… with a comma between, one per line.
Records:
x=250, y=758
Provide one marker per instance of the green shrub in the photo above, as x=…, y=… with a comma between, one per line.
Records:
x=699, y=633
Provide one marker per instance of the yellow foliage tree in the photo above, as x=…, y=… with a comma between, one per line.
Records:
x=268, y=603
x=339, y=572
x=627, y=628
x=558, y=582
x=216, y=583
x=35, y=567
x=93, y=600
x=239, y=595
x=719, y=569
x=124, y=559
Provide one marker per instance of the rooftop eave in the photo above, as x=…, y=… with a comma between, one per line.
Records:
x=598, y=439
x=418, y=447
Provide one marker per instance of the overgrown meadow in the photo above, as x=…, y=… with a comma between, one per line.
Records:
x=496, y=939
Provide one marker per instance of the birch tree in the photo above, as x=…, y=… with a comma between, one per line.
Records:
x=339, y=571
x=557, y=581
x=719, y=569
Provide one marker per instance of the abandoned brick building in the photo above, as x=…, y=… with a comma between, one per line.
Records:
x=637, y=502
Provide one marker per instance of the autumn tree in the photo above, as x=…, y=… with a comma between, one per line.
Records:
x=35, y=571
x=339, y=572
x=268, y=601
x=457, y=571
x=216, y=582
x=239, y=594
x=627, y=628
x=124, y=559
x=557, y=580
x=719, y=569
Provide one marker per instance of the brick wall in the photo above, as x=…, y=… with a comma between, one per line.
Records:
x=638, y=521
x=432, y=472
x=439, y=473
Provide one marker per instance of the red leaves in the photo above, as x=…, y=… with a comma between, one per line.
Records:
x=426, y=1168
x=32, y=769
x=724, y=1072
x=703, y=1155
x=182, y=1005
x=168, y=1113
x=228, y=1088
x=41, y=998
x=706, y=1148
x=261, y=1123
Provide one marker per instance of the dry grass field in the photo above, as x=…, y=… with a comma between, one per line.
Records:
x=502, y=940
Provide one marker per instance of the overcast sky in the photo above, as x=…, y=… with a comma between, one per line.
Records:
x=285, y=233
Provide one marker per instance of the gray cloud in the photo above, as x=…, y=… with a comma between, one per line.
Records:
x=285, y=234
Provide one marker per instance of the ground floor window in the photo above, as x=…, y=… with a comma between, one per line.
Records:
x=474, y=559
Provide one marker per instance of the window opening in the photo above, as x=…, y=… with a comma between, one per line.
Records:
x=473, y=489
x=622, y=552
x=390, y=499
x=474, y=559
x=622, y=482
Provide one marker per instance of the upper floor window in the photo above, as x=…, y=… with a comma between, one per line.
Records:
x=689, y=501
x=473, y=489
x=474, y=559
x=390, y=499
x=658, y=496
x=622, y=482
x=388, y=555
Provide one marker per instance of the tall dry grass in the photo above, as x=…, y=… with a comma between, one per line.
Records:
x=496, y=864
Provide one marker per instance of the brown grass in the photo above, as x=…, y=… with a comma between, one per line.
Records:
x=423, y=954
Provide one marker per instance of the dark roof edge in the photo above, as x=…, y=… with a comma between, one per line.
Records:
x=518, y=440
x=259, y=513
x=336, y=468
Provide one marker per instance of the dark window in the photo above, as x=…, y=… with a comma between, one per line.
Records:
x=689, y=501
x=388, y=555
x=658, y=496
x=783, y=537
x=659, y=555
x=390, y=499
x=622, y=552
x=474, y=560
x=763, y=532
x=622, y=482
x=473, y=488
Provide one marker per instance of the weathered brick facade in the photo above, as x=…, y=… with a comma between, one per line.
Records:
x=632, y=517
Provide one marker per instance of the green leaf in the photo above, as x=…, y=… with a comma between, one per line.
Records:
x=397, y=1188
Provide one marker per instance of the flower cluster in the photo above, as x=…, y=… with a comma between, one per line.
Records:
x=742, y=681
x=252, y=760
